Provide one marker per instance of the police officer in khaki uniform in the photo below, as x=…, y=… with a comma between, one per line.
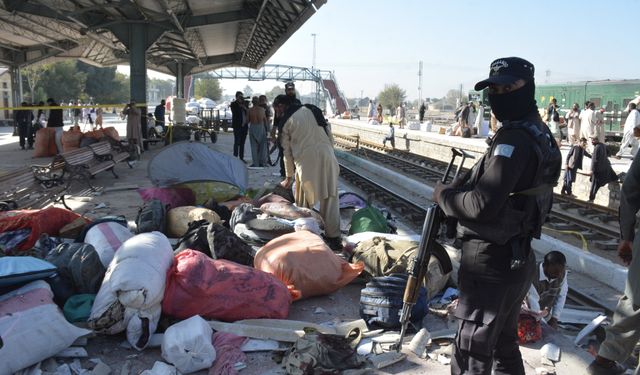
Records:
x=500, y=206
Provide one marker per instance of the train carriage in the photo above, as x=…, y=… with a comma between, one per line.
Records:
x=613, y=95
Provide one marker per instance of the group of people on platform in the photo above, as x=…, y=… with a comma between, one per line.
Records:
x=27, y=124
x=305, y=150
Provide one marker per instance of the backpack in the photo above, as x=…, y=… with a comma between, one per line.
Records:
x=216, y=241
x=79, y=266
x=381, y=301
x=369, y=219
x=151, y=217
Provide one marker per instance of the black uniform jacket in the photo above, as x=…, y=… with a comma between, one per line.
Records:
x=488, y=207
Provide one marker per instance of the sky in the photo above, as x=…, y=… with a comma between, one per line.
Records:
x=370, y=43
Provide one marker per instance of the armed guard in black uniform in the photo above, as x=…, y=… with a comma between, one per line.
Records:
x=500, y=206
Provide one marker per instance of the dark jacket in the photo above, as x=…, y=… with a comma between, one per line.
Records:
x=24, y=116
x=55, y=117
x=159, y=113
x=237, y=114
x=489, y=214
x=601, y=166
x=575, y=156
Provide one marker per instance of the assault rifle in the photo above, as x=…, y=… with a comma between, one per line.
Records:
x=419, y=263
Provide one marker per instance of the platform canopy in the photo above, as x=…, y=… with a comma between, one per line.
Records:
x=201, y=35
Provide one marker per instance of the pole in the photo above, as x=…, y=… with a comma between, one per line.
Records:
x=313, y=61
x=420, y=83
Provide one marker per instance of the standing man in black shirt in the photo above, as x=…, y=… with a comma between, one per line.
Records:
x=55, y=121
x=159, y=114
x=24, y=119
x=238, y=114
x=500, y=205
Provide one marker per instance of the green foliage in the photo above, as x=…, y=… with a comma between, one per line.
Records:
x=391, y=96
x=165, y=86
x=208, y=87
x=62, y=81
x=275, y=91
x=248, y=91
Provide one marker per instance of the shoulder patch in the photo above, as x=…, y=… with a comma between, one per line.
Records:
x=503, y=150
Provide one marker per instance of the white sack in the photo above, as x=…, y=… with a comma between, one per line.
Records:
x=32, y=331
x=188, y=345
x=131, y=293
x=107, y=238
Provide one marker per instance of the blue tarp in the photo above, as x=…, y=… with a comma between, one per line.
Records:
x=193, y=161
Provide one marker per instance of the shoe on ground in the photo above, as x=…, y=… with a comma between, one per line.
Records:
x=596, y=368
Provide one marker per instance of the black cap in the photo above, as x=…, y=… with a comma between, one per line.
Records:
x=289, y=85
x=507, y=70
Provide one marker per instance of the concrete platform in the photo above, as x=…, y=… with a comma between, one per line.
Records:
x=342, y=304
x=438, y=146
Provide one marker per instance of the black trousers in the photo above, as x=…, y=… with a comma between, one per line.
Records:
x=283, y=172
x=239, y=139
x=569, y=178
x=25, y=133
x=488, y=325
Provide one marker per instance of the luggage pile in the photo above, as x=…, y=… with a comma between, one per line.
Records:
x=204, y=258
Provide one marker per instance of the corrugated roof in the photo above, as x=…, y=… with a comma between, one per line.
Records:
x=202, y=34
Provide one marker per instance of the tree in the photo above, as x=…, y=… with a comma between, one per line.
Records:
x=208, y=87
x=391, y=96
x=455, y=97
x=100, y=83
x=275, y=91
x=62, y=81
x=33, y=74
x=248, y=91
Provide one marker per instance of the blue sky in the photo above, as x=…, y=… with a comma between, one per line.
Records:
x=369, y=43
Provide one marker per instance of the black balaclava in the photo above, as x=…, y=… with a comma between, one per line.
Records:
x=515, y=105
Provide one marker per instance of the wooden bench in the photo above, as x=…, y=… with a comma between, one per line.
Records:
x=32, y=187
x=104, y=151
x=83, y=164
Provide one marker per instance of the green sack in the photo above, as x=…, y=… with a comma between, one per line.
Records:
x=318, y=353
x=368, y=219
x=78, y=307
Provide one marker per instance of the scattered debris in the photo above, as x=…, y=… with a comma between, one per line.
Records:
x=579, y=315
x=550, y=351
x=73, y=352
x=443, y=359
x=160, y=368
x=100, y=205
x=257, y=345
x=121, y=187
x=545, y=371
x=419, y=342
x=320, y=310
x=589, y=328
x=100, y=369
x=383, y=360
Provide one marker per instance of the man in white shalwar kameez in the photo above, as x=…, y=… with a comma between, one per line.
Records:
x=310, y=159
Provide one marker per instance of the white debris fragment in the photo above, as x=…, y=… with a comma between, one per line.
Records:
x=550, y=351
x=160, y=368
x=443, y=359
x=320, y=310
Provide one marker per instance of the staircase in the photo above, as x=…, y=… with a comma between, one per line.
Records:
x=338, y=102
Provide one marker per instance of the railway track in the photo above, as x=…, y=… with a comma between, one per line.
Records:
x=413, y=215
x=592, y=224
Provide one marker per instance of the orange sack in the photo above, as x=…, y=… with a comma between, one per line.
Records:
x=111, y=132
x=45, y=143
x=71, y=140
x=305, y=264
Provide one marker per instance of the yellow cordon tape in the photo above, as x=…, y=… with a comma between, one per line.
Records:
x=585, y=247
x=31, y=108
